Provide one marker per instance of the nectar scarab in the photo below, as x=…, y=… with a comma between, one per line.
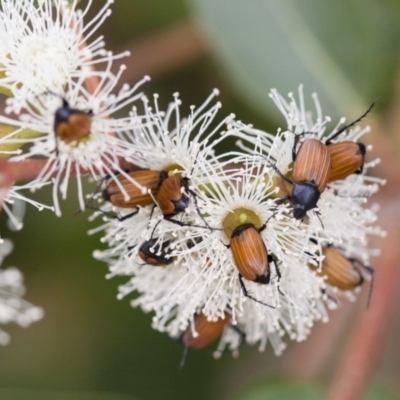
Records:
x=155, y=254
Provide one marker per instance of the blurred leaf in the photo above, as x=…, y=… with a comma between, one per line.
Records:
x=378, y=393
x=281, y=388
x=343, y=49
x=34, y=394
x=137, y=18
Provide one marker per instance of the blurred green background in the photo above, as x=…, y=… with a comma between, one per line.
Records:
x=92, y=346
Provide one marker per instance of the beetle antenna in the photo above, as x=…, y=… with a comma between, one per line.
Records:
x=152, y=232
x=336, y=134
x=96, y=192
x=318, y=214
x=247, y=294
x=275, y=168
x=361, y=196
x=371, y=286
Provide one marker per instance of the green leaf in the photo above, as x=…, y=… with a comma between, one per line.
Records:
x=342, y=49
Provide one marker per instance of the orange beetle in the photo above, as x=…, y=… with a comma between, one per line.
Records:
x=207, y=331
x=250, y=254
x=316, y=164
x=346, y=158
x=171, y=197
x=145, y=178
x=311, y=167
x=342, y=272
x=71, y=124
x=251, y=257
x=158, y=256
x=310, y=174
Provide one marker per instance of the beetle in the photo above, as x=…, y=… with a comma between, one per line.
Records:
x=170, y=197
x=251, y=258
x=158, y=256
x=347, y=157
x=145, y=178
x=342, y=272
x=242, y=227
x=206, y=331
x=173, y=198
x=317, y=163
x=311, y=168
x=71, y=124
x=123, y=193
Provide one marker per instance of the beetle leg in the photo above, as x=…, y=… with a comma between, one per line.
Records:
x=273, y=259
x=278, y=203
x=180, y=223
x=247, y=294
x=323, y=291
x=358, y=264
x=127, y=215
x=296, y=142
x=228, y=246
x=110, y=214
x=193, y=194
x=318, y=214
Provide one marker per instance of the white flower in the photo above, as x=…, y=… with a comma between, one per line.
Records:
x=164, y=141
x=235, y=194
x=97, y=152
x=46, y=45
x=12, y=307
x=342, y=218
x=203, y=276
x=14, y=205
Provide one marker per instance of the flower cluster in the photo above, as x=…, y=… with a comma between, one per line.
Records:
x=55, y=113
x=229, y=248
x=12, y=307
x=252, y=244
x=59, y=120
